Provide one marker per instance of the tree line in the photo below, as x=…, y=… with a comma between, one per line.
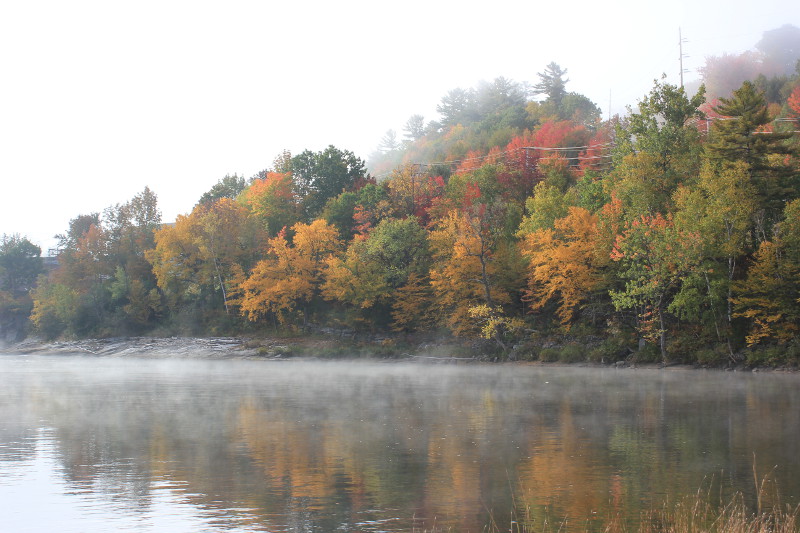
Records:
x=671, y=233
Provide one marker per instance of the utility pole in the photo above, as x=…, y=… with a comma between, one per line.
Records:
x=681, y=55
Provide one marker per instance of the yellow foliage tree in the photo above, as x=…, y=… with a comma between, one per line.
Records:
x=206, y=250
x=465, y=272
x=353, y=280
x=770, y=296
x=412, y=304
x=291, y=275
x=564, y=263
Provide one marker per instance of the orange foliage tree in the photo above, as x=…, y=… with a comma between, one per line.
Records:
x=273, y=201
x=794, y=102
x=289, y=279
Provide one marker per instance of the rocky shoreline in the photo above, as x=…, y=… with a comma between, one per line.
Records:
x=147, y=347
x=300, y=347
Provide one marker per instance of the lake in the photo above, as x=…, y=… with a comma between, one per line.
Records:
x=125, y=444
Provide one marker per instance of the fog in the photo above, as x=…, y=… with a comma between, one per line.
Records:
x=102, y=99
x=288, y=445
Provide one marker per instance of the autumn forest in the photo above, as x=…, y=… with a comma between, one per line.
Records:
x=519, y=221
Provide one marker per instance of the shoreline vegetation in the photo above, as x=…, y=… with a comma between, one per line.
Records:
x=517, y=226
x=693, y=514
x=413, y=349
x=699, y=512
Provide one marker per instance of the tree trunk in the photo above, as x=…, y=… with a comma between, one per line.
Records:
x=662, y=335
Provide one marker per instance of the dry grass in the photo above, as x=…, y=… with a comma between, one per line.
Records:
x=690, y=515
x=695, y=516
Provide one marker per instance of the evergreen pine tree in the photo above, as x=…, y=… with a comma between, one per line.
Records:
x=742, y=135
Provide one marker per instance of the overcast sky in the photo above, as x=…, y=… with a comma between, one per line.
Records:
x=100, y=99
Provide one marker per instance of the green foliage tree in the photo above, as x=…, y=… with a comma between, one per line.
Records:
x=54, y=308
x=546, y=205
x=660, y=127
x=130, y=229
x=720, y=208
x=552, y=83
x=228, y=187
x=319, y=176
x=579, y=109
x=375, y=267
x=272, y=201
x=654, y=257
x=657, y=149
x=20, y=265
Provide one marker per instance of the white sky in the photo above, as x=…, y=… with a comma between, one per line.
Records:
x=100, y=98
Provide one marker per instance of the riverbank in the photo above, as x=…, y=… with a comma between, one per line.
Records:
x=316, y=346
x=442, y=351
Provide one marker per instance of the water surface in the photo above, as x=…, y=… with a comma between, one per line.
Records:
x=105, y=444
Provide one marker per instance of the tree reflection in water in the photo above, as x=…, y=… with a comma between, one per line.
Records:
x=299, y=446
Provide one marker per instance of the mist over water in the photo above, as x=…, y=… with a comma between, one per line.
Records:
x=107, y=444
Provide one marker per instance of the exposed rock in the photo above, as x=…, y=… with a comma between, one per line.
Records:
x=171, y=347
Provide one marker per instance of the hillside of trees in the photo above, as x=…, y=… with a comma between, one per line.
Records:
x=519, y=218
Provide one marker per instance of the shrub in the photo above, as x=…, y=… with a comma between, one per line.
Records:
x=549, y=355
x=572, y=353
x=610, y=350
x=649, y=353
x=775, y=355
x=716, y=355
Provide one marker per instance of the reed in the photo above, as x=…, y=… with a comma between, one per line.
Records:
x=693, y=514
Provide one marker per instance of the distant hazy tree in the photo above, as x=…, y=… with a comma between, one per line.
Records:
x=415, y=127
x=282, y=162
x=498, y=95
x=775, y=89
x=78, y=227
x=781, y=48
x=457, y=107
x=552, y=83
x=579, y=109
x=723, y=74
x=389, y=142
